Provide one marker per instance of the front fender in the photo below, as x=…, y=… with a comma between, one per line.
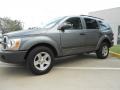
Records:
x=29, y=42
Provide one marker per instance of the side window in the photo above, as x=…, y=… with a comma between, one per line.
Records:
x=103, y=25
x=75, y=22
x=91, y=23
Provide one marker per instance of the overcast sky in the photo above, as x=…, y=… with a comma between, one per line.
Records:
x=35, y=12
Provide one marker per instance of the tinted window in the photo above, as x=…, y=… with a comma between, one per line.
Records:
x=103, y=25
x=75, y=22
x=91, y=23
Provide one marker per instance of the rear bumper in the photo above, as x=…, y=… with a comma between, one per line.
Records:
x=12, y=56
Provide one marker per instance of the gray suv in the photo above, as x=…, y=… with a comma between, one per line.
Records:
x=68, y=35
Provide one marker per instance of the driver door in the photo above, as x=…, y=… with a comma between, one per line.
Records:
x=73, y=38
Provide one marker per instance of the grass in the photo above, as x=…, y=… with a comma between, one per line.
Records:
x=115, y=49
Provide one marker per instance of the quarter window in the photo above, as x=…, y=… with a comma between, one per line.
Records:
x=103, y=25
x=91, y=23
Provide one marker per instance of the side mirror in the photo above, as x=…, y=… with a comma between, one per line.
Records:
x=65, y=26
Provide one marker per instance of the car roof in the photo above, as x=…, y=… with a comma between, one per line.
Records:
x=92, y=17
x=87, y=16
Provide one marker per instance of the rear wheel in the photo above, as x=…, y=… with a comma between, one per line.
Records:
x=103, y=51
x=40, y=60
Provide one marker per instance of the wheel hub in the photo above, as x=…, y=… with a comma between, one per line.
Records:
x=105, y=50
x=42, y=61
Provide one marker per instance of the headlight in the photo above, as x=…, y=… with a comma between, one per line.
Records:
x=11, y=44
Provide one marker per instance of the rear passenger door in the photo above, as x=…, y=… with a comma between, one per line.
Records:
x=92, y=33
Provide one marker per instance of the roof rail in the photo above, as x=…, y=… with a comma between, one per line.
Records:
x=92, y=16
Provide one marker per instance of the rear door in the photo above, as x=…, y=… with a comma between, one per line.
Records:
x=92, y=33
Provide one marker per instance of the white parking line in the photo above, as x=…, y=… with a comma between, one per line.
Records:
x=2, y=64
x=6, y=65
x=89, y=68
x=72, y=68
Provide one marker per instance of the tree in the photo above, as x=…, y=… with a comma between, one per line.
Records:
x=8, y=25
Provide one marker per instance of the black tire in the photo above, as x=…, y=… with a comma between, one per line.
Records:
x=31, y=57
x=100, y=50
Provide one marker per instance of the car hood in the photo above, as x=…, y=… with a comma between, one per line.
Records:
x=26, y=32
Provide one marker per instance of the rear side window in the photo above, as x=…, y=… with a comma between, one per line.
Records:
x=91, y=23
x=103, y=25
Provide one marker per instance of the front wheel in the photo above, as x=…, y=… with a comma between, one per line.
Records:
x=103, y=51
x=40, y=60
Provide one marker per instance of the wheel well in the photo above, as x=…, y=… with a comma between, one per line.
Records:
x=42, y=44
x=107, y=41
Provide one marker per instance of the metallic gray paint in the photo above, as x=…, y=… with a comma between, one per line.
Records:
x=65, y=42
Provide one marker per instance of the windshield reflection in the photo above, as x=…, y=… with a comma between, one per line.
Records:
x=52, y=22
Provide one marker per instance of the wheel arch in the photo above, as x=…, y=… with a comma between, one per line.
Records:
x=104, y=39
x=107, y=41
x=42, y=44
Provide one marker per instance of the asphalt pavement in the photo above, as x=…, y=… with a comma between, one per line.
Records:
x=79, y=72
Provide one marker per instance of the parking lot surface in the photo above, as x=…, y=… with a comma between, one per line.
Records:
x=80, y=72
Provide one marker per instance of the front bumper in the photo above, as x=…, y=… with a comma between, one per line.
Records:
x=12, y=56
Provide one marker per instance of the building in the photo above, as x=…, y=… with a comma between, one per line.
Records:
x=112, y=16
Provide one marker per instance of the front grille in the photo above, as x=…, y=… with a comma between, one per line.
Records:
x=5, y=39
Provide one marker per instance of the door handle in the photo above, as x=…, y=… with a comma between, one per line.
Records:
x=82, y=34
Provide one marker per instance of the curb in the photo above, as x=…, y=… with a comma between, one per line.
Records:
x=115, y=54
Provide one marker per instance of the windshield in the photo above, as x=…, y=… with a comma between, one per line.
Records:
x=52, y=22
